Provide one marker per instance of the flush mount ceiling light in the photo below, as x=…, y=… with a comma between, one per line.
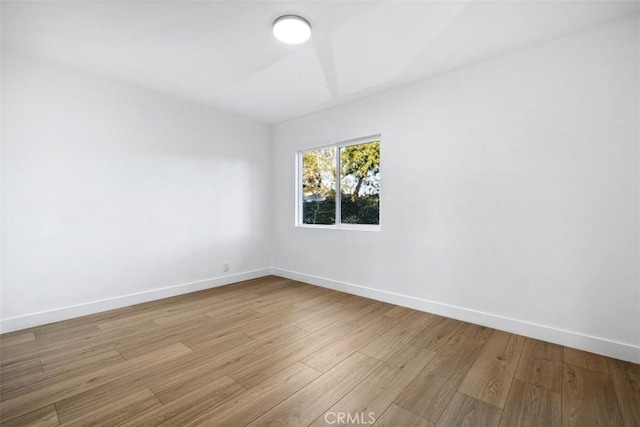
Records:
x=292, y=29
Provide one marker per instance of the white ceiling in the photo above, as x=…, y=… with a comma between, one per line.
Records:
x=223, y=54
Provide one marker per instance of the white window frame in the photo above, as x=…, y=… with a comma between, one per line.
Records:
x=298, y=185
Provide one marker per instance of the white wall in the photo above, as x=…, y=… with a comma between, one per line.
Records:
x=510, y=194
x=110, y=190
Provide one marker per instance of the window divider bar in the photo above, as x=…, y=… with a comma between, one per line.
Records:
x=338, y=190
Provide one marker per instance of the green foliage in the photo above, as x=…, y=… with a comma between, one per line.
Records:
x=320, y=211
x=363, y=210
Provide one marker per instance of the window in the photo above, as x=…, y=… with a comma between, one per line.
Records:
x=339, y=185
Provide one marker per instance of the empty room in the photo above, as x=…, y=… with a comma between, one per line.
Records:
x=320, y=213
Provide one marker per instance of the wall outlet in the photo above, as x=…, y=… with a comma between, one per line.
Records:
x=225, y=266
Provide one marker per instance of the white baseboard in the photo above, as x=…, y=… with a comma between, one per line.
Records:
x=599, y=345
x=64, y=313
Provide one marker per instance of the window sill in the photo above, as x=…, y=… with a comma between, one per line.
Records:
x=351, y=227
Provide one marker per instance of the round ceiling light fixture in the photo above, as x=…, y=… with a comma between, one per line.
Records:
x=292, y=29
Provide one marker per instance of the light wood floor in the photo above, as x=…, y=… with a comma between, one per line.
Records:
x=277, y=352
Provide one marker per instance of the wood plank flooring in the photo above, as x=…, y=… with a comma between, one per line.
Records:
x=275, y=352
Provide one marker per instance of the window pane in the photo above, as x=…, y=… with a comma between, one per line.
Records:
x=360, y=184
x=318, y=186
